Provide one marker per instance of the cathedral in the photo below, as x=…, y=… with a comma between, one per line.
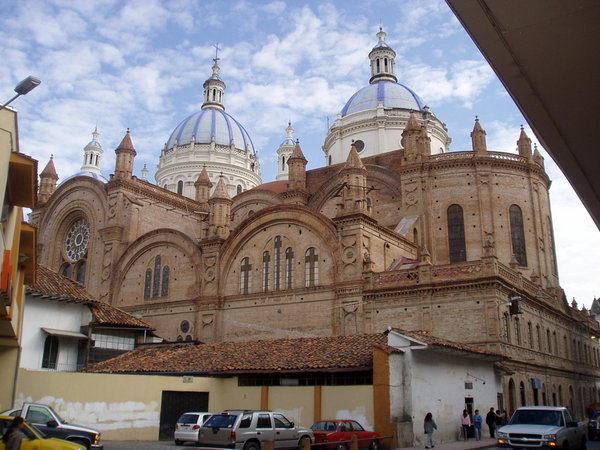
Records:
x=395, y=230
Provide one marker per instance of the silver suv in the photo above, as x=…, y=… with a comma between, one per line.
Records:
x=247, y=430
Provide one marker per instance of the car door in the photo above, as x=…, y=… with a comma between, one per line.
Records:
x=345, y=430
x=285, y=432
x=40, y=417
x=264, y=428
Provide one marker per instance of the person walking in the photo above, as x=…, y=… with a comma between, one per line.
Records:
x=490, y=420
x=465, y=421
x=13, y=436
x=477, y=422
x=429, y=425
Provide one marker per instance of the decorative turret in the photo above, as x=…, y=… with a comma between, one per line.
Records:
x=297, y=169
x=144, y=173
x=203, y=185
x=92, y=154
x=125, y=155
x=478, y=138
x=284, y=152
x=524, y=144
x=214, y=87
x=354, y=188
x=219, y=211
x=537, y=156
x=410, y=138
x=382, y=60
x=48, y=179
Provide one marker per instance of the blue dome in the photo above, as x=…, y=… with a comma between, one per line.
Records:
x=93, y=144
x=85, y=173
x=393, y=95
x=288, y=142
x=211, y=124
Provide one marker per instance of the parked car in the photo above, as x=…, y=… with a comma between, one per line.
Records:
x=188, y=426
x=336, y=432
x=35, y=439
x=593, y=425
x=51, y=424
x=542, y=427
x=247, y=430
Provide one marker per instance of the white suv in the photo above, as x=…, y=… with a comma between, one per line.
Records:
x=247, y=430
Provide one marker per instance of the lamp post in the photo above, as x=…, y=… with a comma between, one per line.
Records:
x=23, y=88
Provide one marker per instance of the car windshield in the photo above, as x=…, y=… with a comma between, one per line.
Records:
x=536, y=417
x=221, y=421
x=188, y=418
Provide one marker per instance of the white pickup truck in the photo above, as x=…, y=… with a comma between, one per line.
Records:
x=542, y=427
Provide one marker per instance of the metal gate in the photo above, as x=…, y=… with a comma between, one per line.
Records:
x=174, y=404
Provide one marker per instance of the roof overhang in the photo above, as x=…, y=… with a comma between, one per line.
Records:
x=22, y=180
x=64, y=333
x=545, y=54
x=27, y=253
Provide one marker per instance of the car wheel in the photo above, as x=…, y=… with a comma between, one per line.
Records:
x=302, y=442
x=374, y=445
x=86, y=444
x=178, y=442
x=583, y=445
x=251, y=446
x=341, y=446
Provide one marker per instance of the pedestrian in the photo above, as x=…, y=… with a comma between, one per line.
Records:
x=429, y=425
x=490, y=419
x=499, y=418
x=13, y=436
x=465, y=421
x=477, y=422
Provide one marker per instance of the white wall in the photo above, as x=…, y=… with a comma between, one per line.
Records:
x=431, y=379
x=43, y=313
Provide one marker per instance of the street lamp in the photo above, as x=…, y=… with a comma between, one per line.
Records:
x=23, y=88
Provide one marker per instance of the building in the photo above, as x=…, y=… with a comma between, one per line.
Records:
x=18, y=188
x=65, y=328
x=394, y=231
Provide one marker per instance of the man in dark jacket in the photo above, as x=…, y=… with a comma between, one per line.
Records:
x=490, y=420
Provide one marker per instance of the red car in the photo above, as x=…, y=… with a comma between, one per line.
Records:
x=336, y=432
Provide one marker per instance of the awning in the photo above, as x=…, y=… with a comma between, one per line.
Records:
x=65, y=333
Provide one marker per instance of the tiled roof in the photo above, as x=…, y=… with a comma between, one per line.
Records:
x=54, y=286
x=277, y=355
x=276, y=187
x=434, y=341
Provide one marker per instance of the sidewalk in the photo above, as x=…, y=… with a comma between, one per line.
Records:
x=471, y=444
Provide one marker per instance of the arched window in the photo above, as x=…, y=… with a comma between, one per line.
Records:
x=156, y=281
x=517, y=331
x=506, y=327
x=239, y=189
x=329, y=159
x=566, y=346
x=66, y=270
x=180, y=187
x=283, y=163
x=456, y=234
x=530, y=334
x=517, y=234
x=289, y=267
x=311, y=267
x=50, y=355
x=277, y=263
x=522, y=393
x=164, y=291
x=245, y=276
x=549, y=341
x=148, y=283
x=539, y=337
x=80, y=271
x=266, y=262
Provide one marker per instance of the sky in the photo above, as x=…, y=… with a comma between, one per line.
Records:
x=140, y=64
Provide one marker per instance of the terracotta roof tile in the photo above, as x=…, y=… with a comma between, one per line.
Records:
x=275, y=355
x=55, y=286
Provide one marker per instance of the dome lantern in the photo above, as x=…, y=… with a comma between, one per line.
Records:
x=383, y=60
x=214, y=87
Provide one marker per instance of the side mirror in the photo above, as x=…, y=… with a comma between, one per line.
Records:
x=292, y=425
x=52, y=423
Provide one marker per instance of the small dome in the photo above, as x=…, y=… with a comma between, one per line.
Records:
x=94, y=143
x=287, y=142
x=391, y=94
x=211, y=124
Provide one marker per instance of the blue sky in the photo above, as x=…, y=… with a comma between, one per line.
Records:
x=140, y=64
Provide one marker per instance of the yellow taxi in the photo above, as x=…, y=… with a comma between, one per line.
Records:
x=35, y=440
